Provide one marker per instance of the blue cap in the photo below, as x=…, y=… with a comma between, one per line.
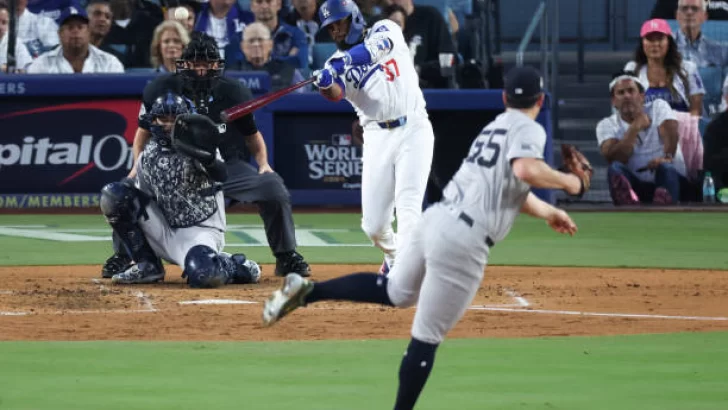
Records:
x=523, y=82
x=72, y=12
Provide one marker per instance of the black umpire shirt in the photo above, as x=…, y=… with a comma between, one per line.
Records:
x=227, y=93
x=715, y=158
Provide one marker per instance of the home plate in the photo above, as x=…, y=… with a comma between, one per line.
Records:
x=218, y=302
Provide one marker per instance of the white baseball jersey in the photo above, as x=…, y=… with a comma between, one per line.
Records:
x=649, y=145
x=389, y=87
x=37, y=31
x=22, y=57
x=53, y=62
x=485, y=187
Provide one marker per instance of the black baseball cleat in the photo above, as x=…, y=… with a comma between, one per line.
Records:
x=291, y=262
x=115, y=264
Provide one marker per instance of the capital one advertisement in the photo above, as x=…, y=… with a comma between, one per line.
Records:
x=64, y=148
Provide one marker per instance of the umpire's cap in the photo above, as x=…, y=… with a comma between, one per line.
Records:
x=523, y=83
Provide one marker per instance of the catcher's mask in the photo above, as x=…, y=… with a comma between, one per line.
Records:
x=170, y=106
x=200, y=67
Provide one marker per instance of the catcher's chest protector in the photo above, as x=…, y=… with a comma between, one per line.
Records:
x=178, y=185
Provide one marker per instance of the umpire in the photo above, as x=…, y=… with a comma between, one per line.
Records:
x=199, y=79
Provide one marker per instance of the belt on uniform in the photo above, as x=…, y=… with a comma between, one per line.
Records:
x=398, y=122
x=469, y=221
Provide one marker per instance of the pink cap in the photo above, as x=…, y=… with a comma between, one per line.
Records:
x=655, y=26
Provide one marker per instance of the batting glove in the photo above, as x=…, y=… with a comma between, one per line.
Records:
x=337, y=64
x=324, y=78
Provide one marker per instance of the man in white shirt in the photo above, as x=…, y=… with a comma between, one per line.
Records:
x=640, y=142
x=22, y=58
x=76, y=54
x=38, y=33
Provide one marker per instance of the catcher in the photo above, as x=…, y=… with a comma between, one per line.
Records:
x=440, y=269
x=174, y=207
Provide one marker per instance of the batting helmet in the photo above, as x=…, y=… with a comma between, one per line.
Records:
x=335, y=10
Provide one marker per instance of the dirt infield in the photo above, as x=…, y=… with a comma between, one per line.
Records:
x=73, y=303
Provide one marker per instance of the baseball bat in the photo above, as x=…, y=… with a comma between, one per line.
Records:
x=240, y=110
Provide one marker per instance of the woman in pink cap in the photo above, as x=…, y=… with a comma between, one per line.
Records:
x=657, y=62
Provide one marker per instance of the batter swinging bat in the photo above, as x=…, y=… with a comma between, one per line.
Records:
x=240, y=110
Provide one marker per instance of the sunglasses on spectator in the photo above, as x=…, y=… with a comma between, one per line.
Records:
x=694, y=9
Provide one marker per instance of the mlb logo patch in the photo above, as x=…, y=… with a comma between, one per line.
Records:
x=341, y=139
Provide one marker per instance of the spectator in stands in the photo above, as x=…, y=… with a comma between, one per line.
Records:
x=658, y=63
x=38, y=33
x=665, y=9
x=22, y=57
x=133, y=29
x=170, y=38
x=189, y=23
x=75, y=54
x=225, y=21
x=715, y=158
x=640, y=143
x=428, y=36
x=395, y=13
x=100, y=18
x=692, y=44
x=257, y=46
x=289, y=42
x=51, y=8
x=305, y=17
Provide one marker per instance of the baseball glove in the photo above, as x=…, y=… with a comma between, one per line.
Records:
x=576, y=163
x=196, y=136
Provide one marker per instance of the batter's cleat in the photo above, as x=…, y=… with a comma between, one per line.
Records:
x=384, y=269
x=288, y=298
x=144, y=272
x=291, y=262
x=115, y=264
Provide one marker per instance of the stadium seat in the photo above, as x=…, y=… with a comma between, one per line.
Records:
x=321, y=53
x=716, y=30
x=674, y=25
x=713, y=82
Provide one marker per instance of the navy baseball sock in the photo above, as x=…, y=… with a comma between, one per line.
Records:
x=413, y=373
x=357, y=287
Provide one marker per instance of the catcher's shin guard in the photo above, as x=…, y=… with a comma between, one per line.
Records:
x=122, y=205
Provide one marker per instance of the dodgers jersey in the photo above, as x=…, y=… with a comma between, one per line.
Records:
x=485, y=187
x=389, y=87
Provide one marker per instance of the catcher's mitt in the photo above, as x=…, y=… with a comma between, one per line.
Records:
x=196, y=136
x=576, y=163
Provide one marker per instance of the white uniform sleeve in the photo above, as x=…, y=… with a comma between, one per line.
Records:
x=528, y=142
x=48, y=31
x=694, y=80
x=661, y=112
x=38, y=66
x=384, y=36
x=22, y=56
x=606, y=130
x=114, y=65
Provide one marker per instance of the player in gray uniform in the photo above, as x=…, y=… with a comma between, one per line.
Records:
x=174, y=207
x=440, y=269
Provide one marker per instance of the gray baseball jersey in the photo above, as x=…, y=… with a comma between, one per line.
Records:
x=442, y=266
x=485, y=187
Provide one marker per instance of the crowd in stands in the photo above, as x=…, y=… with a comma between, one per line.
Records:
x=110, y=36
x=668, y=127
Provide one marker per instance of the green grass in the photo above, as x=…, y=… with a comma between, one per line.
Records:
x=681, y=371
x=667, y=240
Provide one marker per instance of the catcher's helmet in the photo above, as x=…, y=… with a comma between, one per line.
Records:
x=335, y=10
x=168, y=105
